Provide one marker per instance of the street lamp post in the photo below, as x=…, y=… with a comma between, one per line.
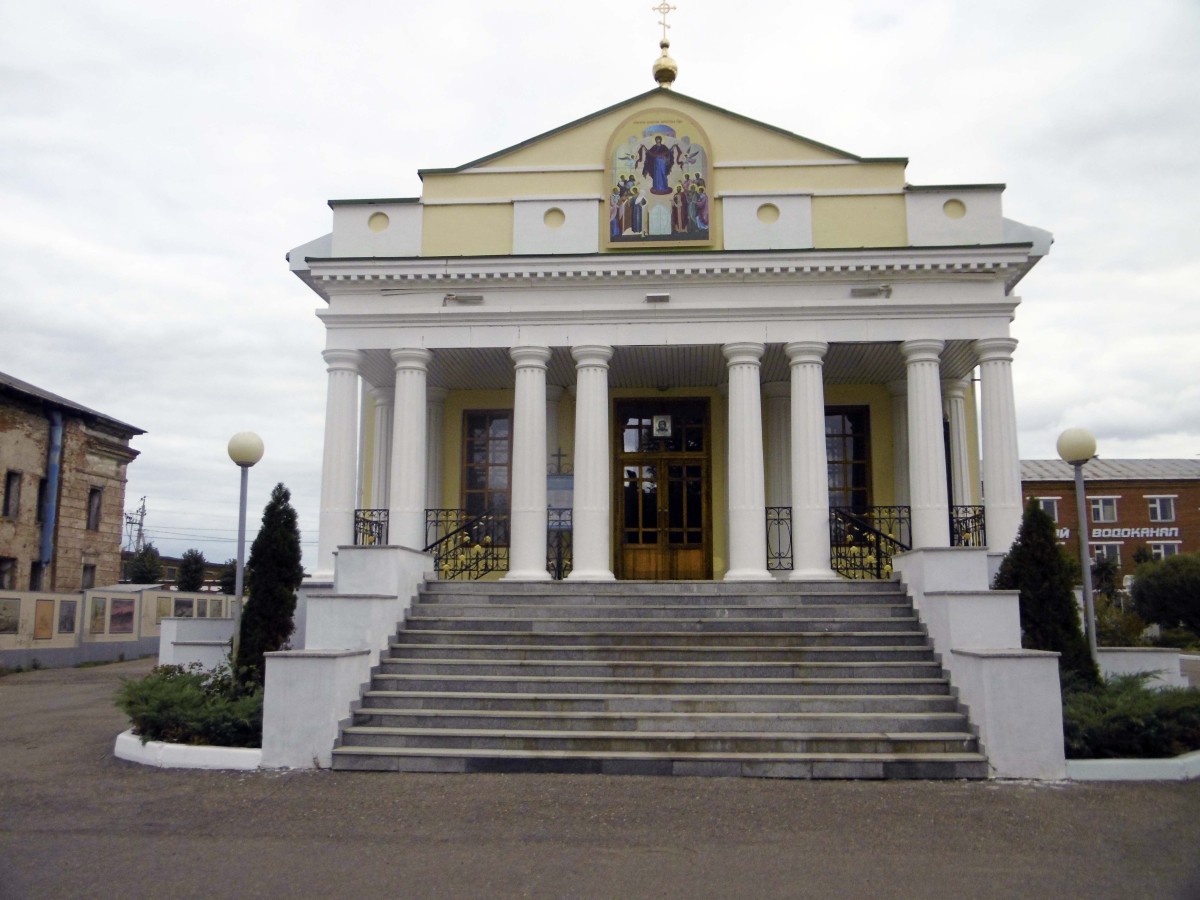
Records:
x=1077, y=446
x=245, y=449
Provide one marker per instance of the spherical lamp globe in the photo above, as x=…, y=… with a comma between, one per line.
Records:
x=245, y=448
x=1076, y=445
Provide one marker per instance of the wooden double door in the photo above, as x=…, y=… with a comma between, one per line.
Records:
x=663, y=481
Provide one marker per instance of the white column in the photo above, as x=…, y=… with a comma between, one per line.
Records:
x=381, y=462
x=527, y=548
x=899, y=391
x=809, y=463
x=339, y=461
x=954, y=405
x=591, y=518
x=777, y=437
x=435, y=420
x=926, y=446
x=406, y=516
x=1001, y=459
x=745, y=475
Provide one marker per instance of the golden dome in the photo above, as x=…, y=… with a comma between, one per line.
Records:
x=665, y=68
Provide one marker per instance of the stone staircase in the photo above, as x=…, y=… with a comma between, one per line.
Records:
x=819, y=680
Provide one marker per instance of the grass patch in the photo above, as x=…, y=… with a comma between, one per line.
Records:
x=1124, y=719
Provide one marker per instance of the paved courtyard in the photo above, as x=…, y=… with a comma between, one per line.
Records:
x=75, y=822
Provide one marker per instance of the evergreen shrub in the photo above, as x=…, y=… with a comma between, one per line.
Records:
x=193, y=706
x=1124, y=719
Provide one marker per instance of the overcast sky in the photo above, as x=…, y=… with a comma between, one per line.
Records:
x=157, y=160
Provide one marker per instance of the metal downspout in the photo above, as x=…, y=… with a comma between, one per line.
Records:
x=53, y=468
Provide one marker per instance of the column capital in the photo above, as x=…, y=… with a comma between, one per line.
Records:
x=999, y=349
x=805, y=351
x=382, y=396
x=592, y=354
x=922, y=350
x=412, y=358
x=530, y=357
x=743, y=352
x=954, y=388
x=342, y=360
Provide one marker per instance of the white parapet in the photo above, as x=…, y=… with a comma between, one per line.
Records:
x=1162, y=664
x=308, y=694
x=182, y=642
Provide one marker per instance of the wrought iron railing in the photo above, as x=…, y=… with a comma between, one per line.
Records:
x=471, y=548
x=558, y=543
x=779, y=538
x=858, y=549
x=370, y=527
x=967, y=527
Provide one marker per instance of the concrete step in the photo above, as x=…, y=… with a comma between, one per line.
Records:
x=689, y=722
x=658, y=703
x=652, y=589
x=661, y=639
x=870, y=668
x=694, y=601
x=655, y=626
x=635, y=685
x=657, y=611
x=723, y=765
x=586, y=652
x=661, y=742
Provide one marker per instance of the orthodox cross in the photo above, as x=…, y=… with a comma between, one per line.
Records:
x=557, y=468
x=662, y=9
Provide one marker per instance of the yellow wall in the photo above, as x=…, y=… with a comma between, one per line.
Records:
x=841, y=221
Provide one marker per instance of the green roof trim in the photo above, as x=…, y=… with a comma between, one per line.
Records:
x=656, y=92
x=372, y=202
x=917, y=188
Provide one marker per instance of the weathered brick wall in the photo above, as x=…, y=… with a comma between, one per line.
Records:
x=93, y=457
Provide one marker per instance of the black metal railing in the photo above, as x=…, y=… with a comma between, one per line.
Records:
x=370, y=527
x=779, y=538
x=558, y=542
x=858, y=549
x=466, y=547
x=967, y=527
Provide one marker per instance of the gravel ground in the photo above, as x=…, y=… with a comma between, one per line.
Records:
x=76, y=822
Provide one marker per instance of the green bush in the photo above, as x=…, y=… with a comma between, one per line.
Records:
x=193, y=706
x=1179, y=638
x=1124, y=719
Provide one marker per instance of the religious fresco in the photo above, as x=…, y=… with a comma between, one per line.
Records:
x=658, y=182
x=99, y=611
x=66, y=616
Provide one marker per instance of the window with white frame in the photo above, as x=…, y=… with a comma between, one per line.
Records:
x=1104, y=509
x=1163, y=549
x=1048, y=505
x=1107, y=551
x=1162, y=509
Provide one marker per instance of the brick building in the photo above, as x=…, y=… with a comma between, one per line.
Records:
x=63, y=497
x=1132, y=503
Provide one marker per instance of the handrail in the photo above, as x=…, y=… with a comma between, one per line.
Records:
x=473, y=549
x=858, y=548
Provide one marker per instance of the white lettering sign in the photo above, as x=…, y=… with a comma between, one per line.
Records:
x=1135, y=532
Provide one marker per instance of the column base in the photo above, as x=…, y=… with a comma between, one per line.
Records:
x=598, y=575
x=814, y=575
x=748, y=575
x=542, y=575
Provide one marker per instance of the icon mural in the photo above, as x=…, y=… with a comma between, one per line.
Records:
x=659, y=174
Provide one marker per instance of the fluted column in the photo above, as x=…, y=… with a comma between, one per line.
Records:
x=809, y=463
x=746, y=478
x=777, y=437
x=899, y=391
x=527, y=550
x=955, y=408
x=406, y=516
x=591, y=518
x=435, y=420
x=339, y=460
x=381, y=462
x=926, y=447
x=1001, y=459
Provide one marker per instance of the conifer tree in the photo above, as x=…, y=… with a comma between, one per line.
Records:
x=1039, y=569
x=273, y=573
x=146, y=566
x=191, y=571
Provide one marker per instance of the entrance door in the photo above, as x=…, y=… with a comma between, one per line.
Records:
x=663, y=492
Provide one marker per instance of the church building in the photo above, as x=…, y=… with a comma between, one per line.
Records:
x=668, y=343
